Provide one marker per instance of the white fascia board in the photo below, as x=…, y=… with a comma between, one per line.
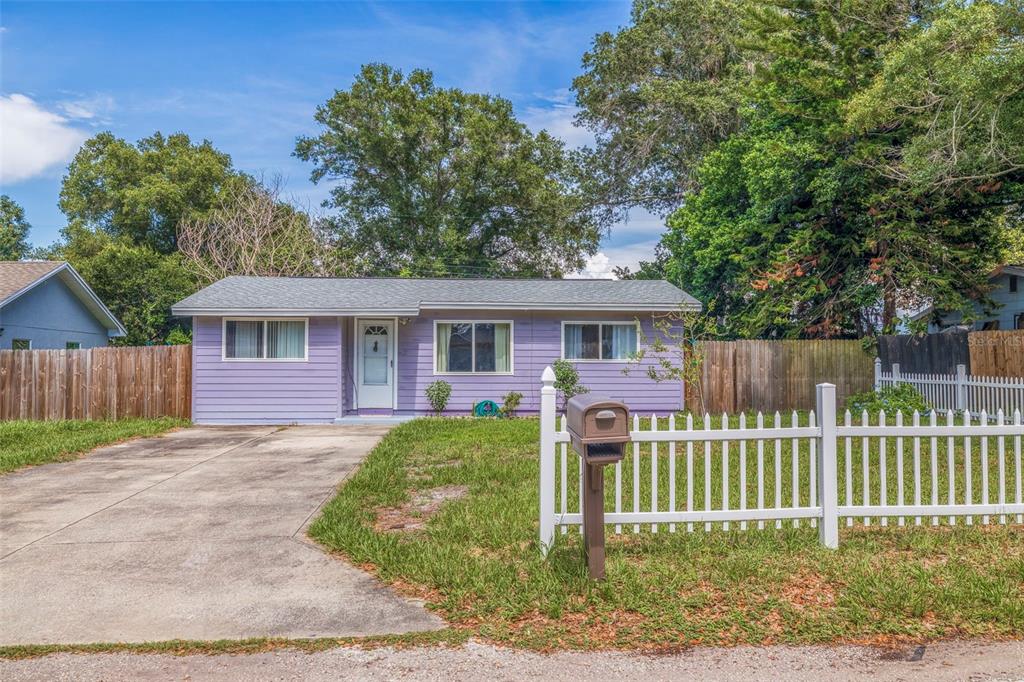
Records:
x=608, y=307
x=284, y=312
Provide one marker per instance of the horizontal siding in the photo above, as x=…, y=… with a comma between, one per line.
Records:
x=266, y=392
x=536, y=344
x=284, y=392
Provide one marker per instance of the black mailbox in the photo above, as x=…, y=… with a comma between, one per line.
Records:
x=599, y=430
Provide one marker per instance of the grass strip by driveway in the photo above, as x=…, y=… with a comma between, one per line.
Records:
x=26, y=443
x=475, y=561
x=183, y=647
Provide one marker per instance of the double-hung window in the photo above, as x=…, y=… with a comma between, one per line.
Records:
x=473, y=347
x=270, y=339
x=599, y=340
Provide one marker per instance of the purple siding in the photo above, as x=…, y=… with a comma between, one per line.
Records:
x=267, y=392
x=536, y=339
x=320, y=389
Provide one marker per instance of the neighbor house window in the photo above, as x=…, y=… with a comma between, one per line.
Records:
x=265, y=339
x=598, y=340
x=21, y=344
x=73, y=345
x=481, y=347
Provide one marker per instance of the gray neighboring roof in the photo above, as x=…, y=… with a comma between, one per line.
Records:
x=20, y=277
x=395, y=296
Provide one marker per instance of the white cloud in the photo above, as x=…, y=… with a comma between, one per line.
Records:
x=87, y=108
x=557, y=120
x=33, y=139
x=599, y=266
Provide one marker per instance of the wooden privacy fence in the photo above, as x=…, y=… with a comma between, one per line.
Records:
x=987, y=354
x=996, y=354
x=97, y=383
x=773, y=471
x=738, y=376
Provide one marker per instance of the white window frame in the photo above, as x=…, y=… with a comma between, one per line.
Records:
x=511, y=348
x=600, y=337
x=78, y=345
x=224, y=338
x=28, y=340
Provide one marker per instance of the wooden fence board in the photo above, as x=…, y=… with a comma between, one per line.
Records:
x=777, y=375
x=996, y=354
x=97, y=383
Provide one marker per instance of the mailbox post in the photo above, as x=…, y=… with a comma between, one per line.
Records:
x=599, y=430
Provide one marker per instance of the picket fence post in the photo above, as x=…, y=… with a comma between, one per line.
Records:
x=878, y=373
x=961, y=388
x=895, y=374
x=547, y=460
x=828, y=473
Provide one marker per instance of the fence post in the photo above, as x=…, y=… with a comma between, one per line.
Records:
x=895, y=374
x=828, y=475
x=961, y=388
x=878, y=373
x=547, y=460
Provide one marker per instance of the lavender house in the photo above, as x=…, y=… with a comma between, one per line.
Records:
x=313, y=350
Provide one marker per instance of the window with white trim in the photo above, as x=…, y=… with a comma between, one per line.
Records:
x=473, y=347
x=599, y=340
x=270, y=339
x=73, y=345
x=21, y=344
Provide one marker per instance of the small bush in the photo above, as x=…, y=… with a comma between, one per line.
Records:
x=567, y=381
x=903, y=397
x=510, y=403
x=438, y=394
x=179, y=336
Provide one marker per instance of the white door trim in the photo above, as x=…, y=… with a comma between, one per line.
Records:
x=357, y=365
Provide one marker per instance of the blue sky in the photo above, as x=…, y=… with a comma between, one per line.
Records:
x=248, y=76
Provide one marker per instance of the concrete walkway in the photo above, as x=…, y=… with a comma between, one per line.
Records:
x=195, y=535
x=937, y=662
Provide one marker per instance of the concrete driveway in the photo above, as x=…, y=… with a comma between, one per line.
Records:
x=199, y=534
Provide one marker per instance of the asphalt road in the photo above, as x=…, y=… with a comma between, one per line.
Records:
x=936, y=663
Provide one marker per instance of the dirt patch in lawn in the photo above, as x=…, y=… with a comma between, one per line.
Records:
x=413, y=515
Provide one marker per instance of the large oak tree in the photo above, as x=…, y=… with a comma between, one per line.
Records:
x=434, y=181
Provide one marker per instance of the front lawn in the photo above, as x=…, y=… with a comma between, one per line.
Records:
x=475, y=560
x=24, y=443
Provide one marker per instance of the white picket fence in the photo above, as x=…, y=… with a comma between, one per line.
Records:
x=775, y=472
x=959, y=391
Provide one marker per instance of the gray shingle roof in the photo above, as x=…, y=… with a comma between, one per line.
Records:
x=310, y=295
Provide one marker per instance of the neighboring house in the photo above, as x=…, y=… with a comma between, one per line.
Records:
x=1007, y=292
x=282, y=350
x=46, y=304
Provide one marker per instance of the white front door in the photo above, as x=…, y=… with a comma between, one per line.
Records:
x=375, y=363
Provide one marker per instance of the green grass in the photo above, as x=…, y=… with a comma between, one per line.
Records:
x=476, y=562
x=183, y=647
x=26, y=443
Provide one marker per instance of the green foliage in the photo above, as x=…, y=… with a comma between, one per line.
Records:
x=140, y=192
x=13, y=230
x=179, y=336
x=510, y=403
x=674, y=349
x=567, y=381
x=850, y=159
x=902, y=397
x=137, y=283
x=438, y=394
x=436, y=181
x=658, y=95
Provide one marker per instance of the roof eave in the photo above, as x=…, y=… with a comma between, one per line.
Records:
x=189, y=311
x=83, y=291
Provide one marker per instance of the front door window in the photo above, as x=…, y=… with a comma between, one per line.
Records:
x=375, y=355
